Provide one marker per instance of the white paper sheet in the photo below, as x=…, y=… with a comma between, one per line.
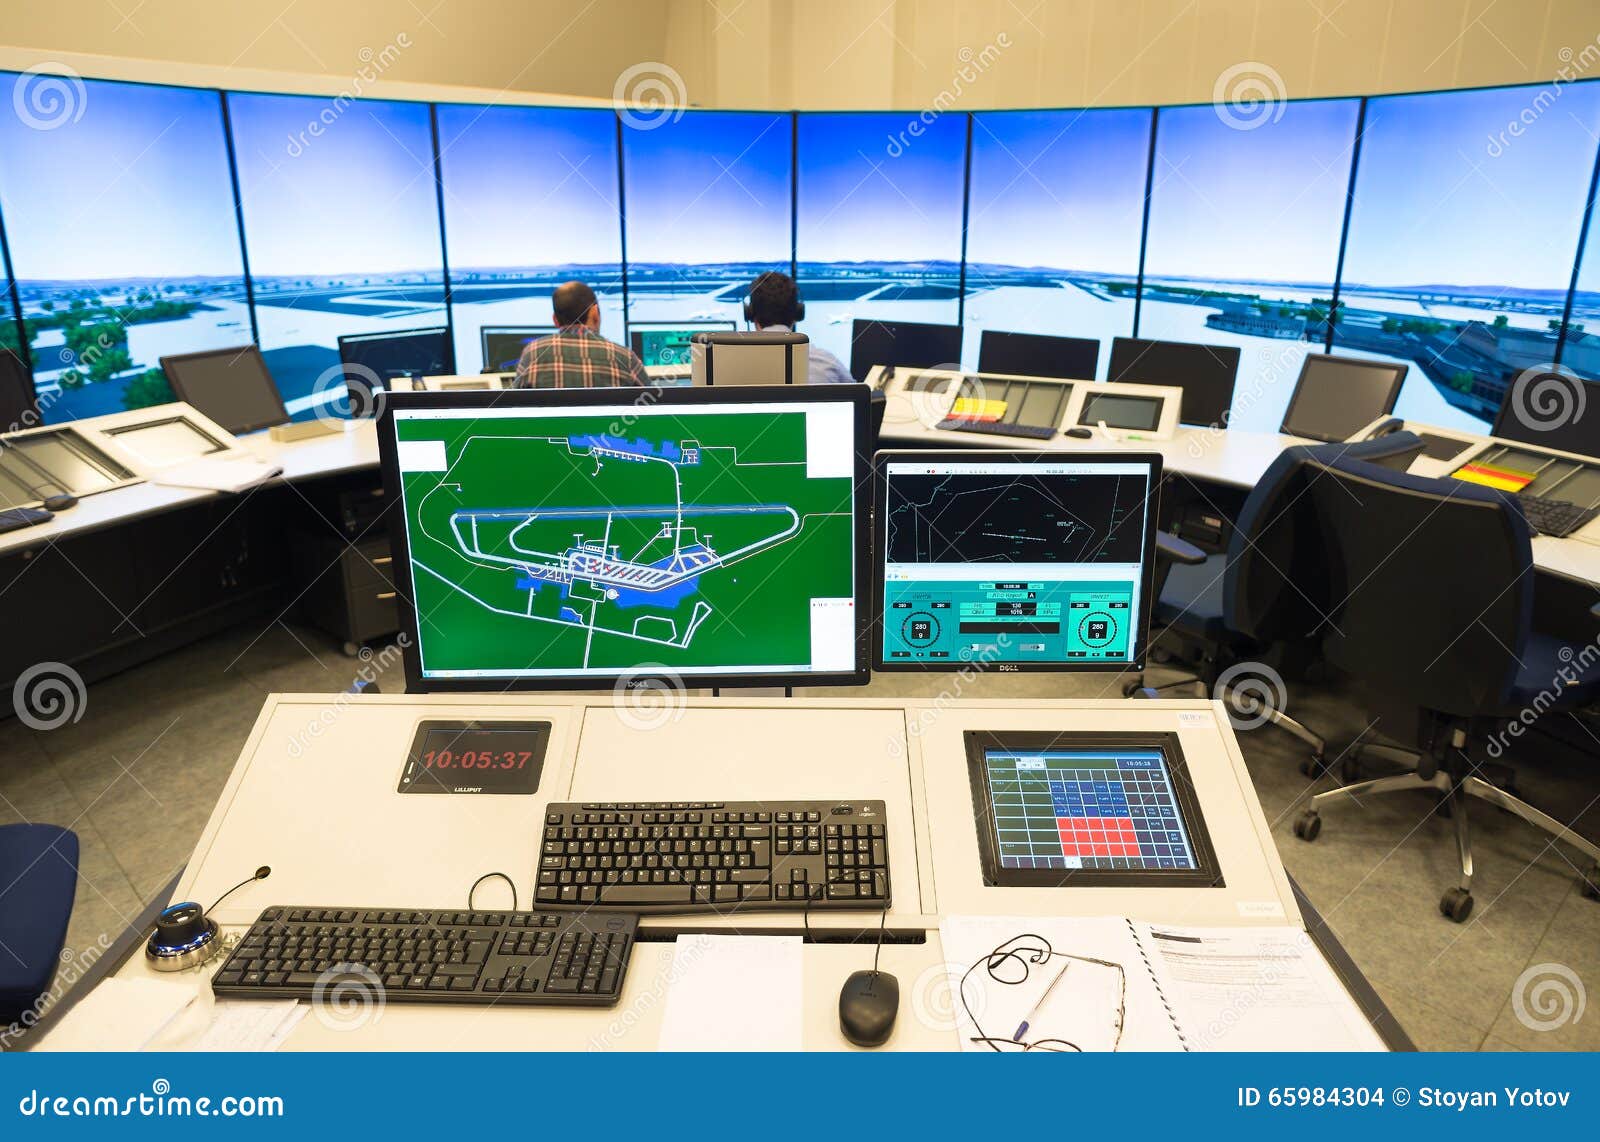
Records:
x=734, y=993
x=250, y=1024
x=1254, y=989
x=120, y=1015
x=217, y=474
x=1007, y=971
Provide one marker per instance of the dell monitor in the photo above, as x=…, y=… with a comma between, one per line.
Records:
x=1036, y=355
x=231, y=386
x=1014, y=560
x=400, y=355
x=580, y=538
x=1205, y=373
x=902, y=343
x=1553, y=409
x=1336, y=397
x=668, y=345
x=503, y=345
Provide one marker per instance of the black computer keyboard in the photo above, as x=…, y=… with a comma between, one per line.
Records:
x=521, y=958
x=714, y=856
x=13, y=518
x=990, y=427
x=1555, y=517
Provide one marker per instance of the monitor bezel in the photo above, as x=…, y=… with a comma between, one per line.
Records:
x=1080, y=344
x=856, y=396
x=855, y=339
x=1208, y=870
x=485, y=330
x=1217, y=351
x=179, y=391
x=442, y=331
x=1100, y=392
x=880, y=551
x=1287, y=427
x=1504, y=416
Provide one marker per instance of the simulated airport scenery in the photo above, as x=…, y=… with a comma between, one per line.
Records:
x=561, y=542
x=1029, y=563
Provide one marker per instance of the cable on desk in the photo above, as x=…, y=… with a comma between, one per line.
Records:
x=490, y=876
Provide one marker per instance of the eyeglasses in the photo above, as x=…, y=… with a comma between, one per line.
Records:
x=1010, y=965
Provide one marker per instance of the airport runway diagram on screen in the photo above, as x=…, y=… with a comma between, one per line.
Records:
x=570, y=544
x=1011, y=564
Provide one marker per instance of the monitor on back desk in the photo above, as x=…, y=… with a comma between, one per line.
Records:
x=1036, y=355
x=1552, y=409
x=574, y=538
x=231, y=386
x=902, y=343
x=669, y=345
x=1016, y=560
x=1337, y=396
x=1205, y=373
x=503, y=345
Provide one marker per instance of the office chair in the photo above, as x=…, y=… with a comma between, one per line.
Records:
x=38, y=879
x=1262, y=590
x=19, y=407
x=1431, y=602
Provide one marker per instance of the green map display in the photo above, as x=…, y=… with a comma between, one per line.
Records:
x=565, y=544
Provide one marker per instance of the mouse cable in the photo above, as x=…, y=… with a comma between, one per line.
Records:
x=883, y=920
x=490, y=876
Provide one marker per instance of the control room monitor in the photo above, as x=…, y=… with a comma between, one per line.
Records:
x=899, y=344
x=578, y=538
x=1016, y=560
x=1205, y=373
x=231, y=386
x=1038, y=355
x=1336, y=397
x=1553, y=409
x=668, y=345
x=503, y=345
x=391, y=356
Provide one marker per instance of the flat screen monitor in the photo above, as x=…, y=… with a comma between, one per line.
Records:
x=1336, y=397
x=1026, y=560
x=575, y=538
x=503, y=345
x=1205, y=373
x=231, y=386
x=1037, y=355
x=18, y=407
x=1115, y=809
x=1121, y=411
x=1553, y=410
x=407, y=353
x=669, y=344
x=902, y=343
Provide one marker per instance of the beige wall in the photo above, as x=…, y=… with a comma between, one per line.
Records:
x=812, y=53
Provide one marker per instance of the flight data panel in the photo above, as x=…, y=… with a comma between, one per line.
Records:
x=1037, y=565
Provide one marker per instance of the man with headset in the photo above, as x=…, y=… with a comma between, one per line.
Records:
x=774, y=306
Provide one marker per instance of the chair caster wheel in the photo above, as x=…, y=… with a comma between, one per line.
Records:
x=1314, y=766
x=1308, y=825
x=1129, y=689
x=351, y=649
x=1589, y=884
x=1349, y=771
x=1456, y=905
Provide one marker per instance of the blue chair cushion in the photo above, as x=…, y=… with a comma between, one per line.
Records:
x=38, y=879
x=1544, y=659
x=1191, y=601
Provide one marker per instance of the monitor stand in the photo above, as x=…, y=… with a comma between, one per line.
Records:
x=757, y=692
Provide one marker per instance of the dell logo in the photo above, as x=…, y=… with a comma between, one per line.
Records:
x=1005, y=667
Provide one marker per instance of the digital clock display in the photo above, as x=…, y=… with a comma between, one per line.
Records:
x=476, y=757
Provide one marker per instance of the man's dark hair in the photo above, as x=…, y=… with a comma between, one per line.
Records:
x=571, y=302
x=774, y=299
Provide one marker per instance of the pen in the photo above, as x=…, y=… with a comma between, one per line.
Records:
x=1022, y=1028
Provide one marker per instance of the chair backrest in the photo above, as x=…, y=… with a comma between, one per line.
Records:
x=1431, y=583
x=1275, y=586
x=749, y=358
x=17, y=406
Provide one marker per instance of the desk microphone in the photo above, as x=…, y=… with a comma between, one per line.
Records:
x=186, y=936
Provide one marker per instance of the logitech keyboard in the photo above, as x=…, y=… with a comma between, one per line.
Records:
x=995, y=428
x=714, y=856
x=1555, y=517
x=520, y=958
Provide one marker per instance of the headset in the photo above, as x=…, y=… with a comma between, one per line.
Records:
x=796, y=317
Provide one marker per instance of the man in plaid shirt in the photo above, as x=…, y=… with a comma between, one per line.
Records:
x=577, y=357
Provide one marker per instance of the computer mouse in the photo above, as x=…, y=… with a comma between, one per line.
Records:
x=1080, y=434
x=61, y=502
x=868, y=1004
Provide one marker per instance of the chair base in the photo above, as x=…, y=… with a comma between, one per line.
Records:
x=1253, y=711
x=1456, y=904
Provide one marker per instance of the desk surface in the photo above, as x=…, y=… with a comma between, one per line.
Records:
x=314, y=795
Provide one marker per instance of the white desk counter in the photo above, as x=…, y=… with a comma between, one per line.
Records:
x=314, y=796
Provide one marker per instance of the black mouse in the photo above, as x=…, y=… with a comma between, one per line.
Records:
x=868, y=1004
x=61, y=502
x=1080, y=434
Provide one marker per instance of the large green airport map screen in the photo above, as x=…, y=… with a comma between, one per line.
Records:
x=561, y=542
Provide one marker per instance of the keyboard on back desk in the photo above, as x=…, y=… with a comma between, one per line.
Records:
x=714, y=856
